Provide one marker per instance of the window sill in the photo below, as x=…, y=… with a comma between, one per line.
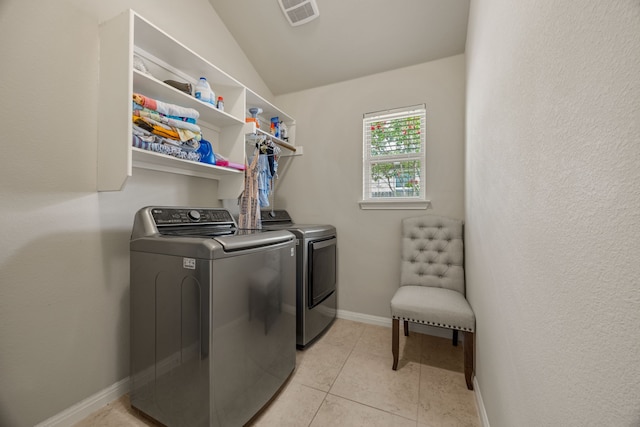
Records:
x=394, y=204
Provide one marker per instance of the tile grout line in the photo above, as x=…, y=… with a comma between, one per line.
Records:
x=368, y=405
x=419, y=377
x=334, y=380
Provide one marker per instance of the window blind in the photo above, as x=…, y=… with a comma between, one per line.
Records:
x=394, y=154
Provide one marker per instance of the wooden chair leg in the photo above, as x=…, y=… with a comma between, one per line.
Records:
x=468, y=358
x=406, y=328
x=455, y=338
x=395, y=341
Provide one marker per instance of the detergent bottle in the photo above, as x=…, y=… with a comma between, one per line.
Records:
x=203, y=91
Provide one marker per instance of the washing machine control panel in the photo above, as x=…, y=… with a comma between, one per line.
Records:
x=177, y=216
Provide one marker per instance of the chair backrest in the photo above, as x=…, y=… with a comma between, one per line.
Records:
x=433, y=252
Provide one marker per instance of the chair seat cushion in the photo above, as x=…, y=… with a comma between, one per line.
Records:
x=433, y=306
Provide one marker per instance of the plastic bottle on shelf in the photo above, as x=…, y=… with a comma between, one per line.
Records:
x=220, y=103
x=212, y=97
x=203, y=91
x=275, y=127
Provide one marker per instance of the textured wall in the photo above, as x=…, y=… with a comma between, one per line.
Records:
x=325, y=184
x=64, y=253
x=553, y=210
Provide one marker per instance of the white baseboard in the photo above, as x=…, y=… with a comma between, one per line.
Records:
x=385, y=321
x=88, y=406
x=364, y=318
x=482, y=412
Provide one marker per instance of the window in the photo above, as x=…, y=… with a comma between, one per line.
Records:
x=394, y=161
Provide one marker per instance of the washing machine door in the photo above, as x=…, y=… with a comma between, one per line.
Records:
x=250, y=240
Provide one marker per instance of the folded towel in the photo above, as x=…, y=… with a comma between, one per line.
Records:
x=239, y=166
x=166, y=131
x=145, y=112
x=184, y=87
x=137, y=107
x=164, y=107
x=147, y=136
x=233, y=165
x=156, y=128
x=178, y=152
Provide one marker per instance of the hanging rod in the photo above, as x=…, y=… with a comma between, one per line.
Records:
x=275, y=140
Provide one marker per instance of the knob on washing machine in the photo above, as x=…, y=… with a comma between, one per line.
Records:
x=194, y=215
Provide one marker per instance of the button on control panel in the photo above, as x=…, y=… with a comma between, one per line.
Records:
x=176, y=216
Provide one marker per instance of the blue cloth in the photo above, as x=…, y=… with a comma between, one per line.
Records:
x=264, y=180
x=184, y=119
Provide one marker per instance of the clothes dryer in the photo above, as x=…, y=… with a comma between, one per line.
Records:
x=316, y=273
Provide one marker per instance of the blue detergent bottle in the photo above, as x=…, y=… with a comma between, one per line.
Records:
x=206, y=152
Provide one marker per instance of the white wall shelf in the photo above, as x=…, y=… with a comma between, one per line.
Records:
x=157, y=89
x=264, y=118
x=146, y=159
x=166, y=58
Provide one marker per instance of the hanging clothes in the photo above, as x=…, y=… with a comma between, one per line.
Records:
x=264, y=180
x=249, y=204
x=267, y=169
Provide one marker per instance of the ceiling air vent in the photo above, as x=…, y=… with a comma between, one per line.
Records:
x=299, y=12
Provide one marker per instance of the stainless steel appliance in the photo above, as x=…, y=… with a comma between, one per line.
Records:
x=212, y=316
x=316, y=273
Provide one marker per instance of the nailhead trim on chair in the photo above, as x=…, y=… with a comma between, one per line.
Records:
x=440, y=325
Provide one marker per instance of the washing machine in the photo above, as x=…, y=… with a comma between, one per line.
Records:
x=213, y=316
x=316, y=273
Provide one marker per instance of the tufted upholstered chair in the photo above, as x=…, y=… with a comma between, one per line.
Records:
x=432, y=286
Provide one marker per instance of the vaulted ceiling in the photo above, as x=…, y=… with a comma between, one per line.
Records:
x=349, y=39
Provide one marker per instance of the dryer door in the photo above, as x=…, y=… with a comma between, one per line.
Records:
x=322, y=270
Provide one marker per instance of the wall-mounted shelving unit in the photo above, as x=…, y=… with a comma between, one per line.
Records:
x=167, y=59
x=264, y=118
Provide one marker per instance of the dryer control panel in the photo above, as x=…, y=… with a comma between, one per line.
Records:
x=177, y=216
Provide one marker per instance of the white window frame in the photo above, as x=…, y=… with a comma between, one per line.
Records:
x=414, y=202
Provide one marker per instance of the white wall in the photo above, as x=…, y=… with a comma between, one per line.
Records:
x=325, y=184
x=64, y=265
x=553, y=210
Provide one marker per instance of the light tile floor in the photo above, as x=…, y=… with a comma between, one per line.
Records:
x=345, y=379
